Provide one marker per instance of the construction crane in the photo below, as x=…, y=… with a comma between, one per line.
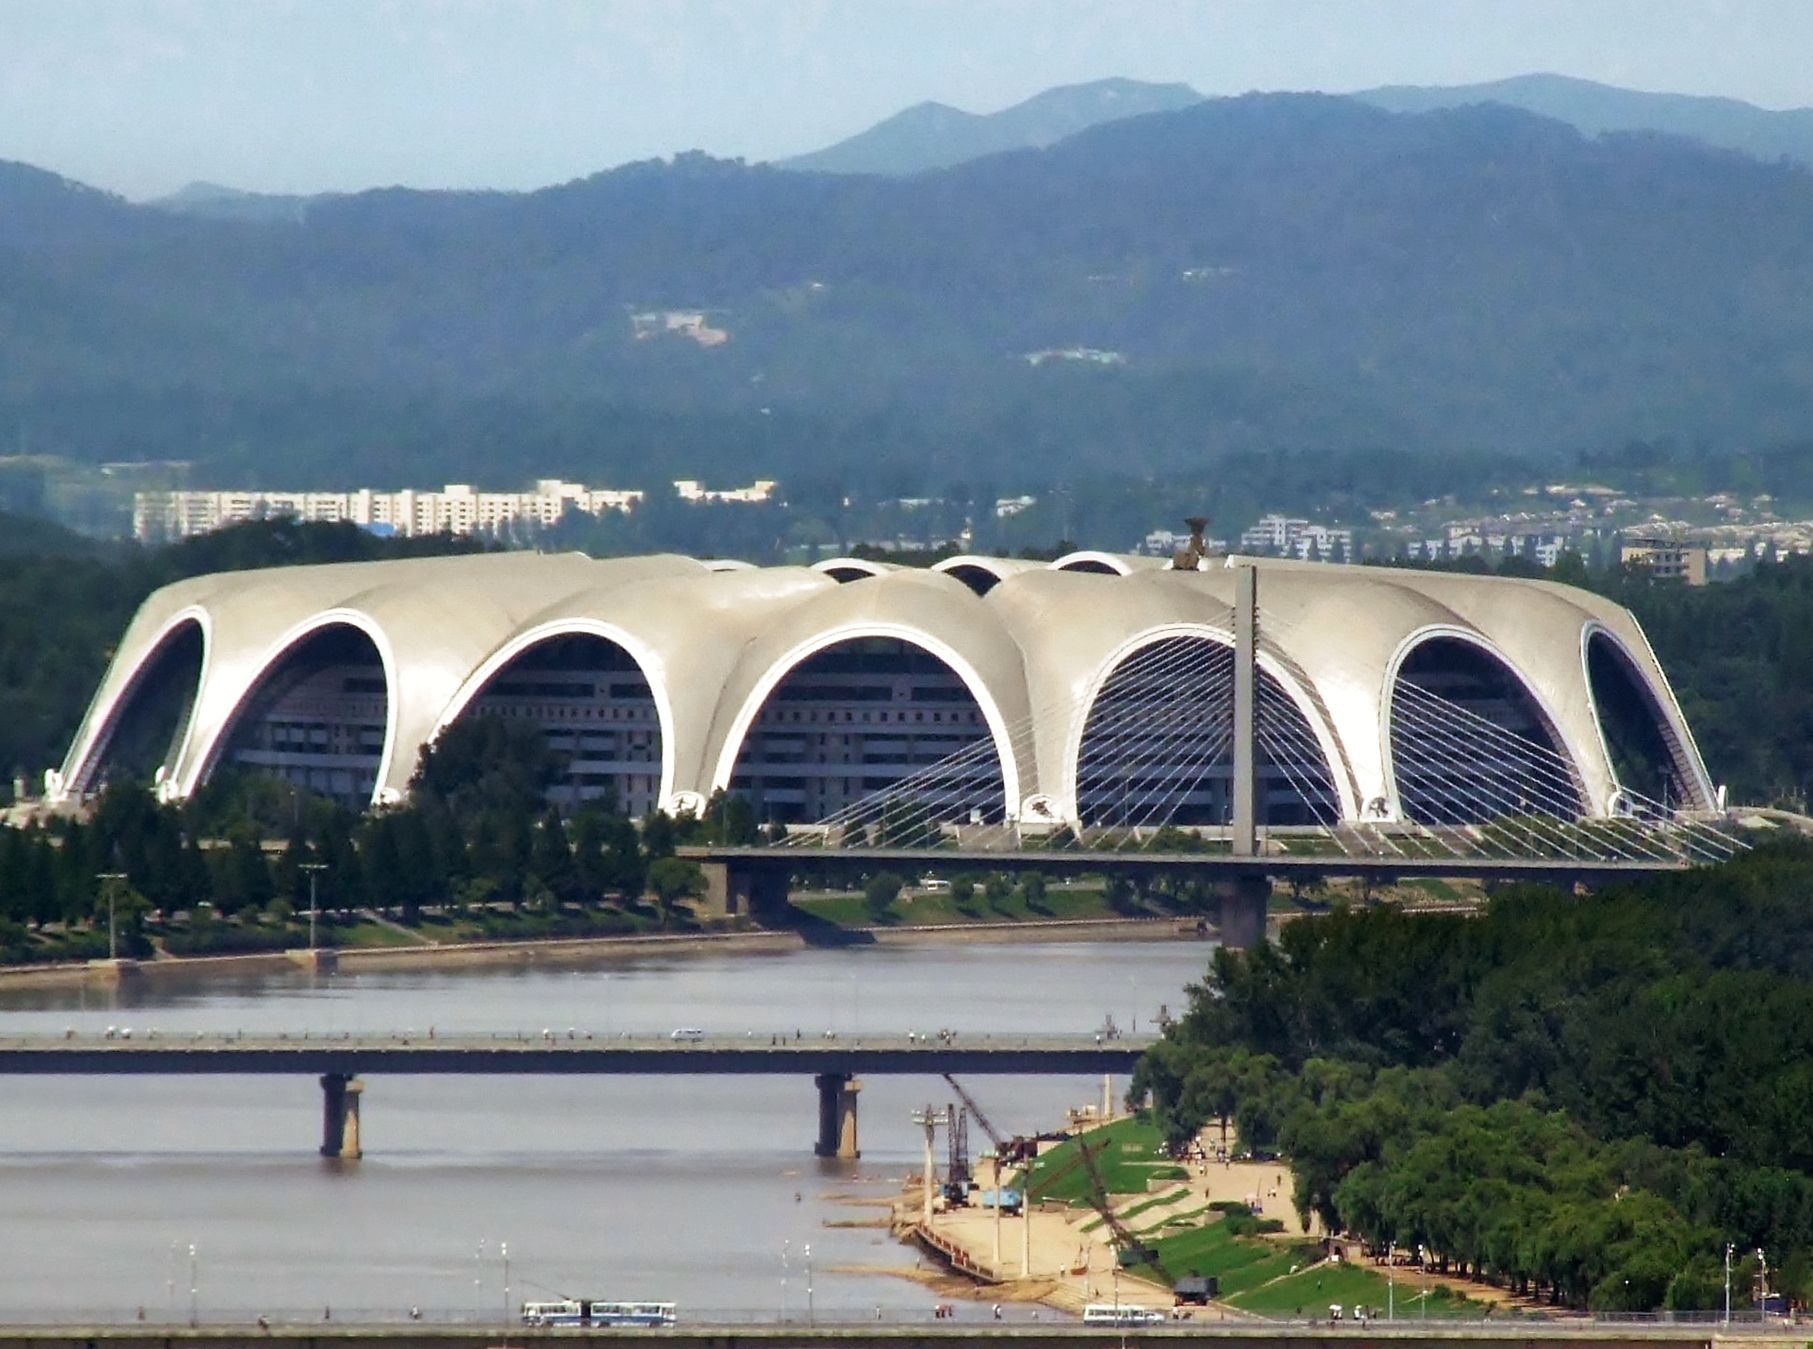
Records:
x=957, y=1171
x=1006, y=1150
x=1126, y=1240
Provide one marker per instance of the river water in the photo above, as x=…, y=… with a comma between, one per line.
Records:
x=698, y=1190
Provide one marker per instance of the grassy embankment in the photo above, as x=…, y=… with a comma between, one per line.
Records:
x=1260, y=1271
x=1063, y=901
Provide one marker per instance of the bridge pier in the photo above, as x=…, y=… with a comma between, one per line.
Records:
x=837, y=1116
x=1244, y=899
x=732, y=889
x=340, y=1115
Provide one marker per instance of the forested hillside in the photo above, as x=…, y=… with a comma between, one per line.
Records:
x=1262, y=274
x=1582, y=1101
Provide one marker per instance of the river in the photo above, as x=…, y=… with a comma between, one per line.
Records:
x=686, y=1189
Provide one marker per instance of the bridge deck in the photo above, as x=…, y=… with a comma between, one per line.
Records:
x=1075, y=861
x=557, y=1052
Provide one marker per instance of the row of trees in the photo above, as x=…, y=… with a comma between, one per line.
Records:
x=1583, y=1099
x=476, y=832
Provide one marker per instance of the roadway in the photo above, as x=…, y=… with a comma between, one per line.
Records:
x=970, y=1329
x=559, y=1051
x=1209, y=866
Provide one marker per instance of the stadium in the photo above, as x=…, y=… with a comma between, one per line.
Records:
x=1087, y=692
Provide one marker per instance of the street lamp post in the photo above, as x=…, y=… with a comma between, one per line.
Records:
x=1728, y=1249
x=784, y=1246
x=504, y=1249
x=314, y=869
x=811, y=1317
x=110, y=881
x=193, y=1317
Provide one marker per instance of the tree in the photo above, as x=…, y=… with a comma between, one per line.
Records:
x=730, y=820
x=879, y=893
x=551, y=859
x=672, y=879
x=242, y=878
x=625, y=867
x=660, y=835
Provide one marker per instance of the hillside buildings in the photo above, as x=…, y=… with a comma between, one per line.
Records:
x=1281, y=536
x=458, y=508
x=1666, y=559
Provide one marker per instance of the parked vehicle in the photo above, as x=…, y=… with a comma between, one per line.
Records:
x=1121, y=1314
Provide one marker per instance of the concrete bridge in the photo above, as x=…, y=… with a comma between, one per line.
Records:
x=970, y=1332
x=835, y=1063
x=756, y=878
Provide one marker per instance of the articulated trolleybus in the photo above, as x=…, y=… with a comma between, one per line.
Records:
x=585, y=1312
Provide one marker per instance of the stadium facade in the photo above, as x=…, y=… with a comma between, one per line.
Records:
x=1068, y=692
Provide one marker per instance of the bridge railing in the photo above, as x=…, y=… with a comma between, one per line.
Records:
x=961, y=1314
x=573, y=1039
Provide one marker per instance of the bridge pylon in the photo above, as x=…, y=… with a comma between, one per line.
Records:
x=340, y=1094
x=837, y=1116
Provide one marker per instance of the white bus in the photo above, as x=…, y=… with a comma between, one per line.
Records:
x=658, y=1314
x=1121, y=1314
x=553, y=1314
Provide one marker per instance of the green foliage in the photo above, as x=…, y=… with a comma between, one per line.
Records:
x=672, y=879
x=880, y=892
x=1576, y=1098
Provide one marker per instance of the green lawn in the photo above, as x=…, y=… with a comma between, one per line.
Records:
x=940, y=910
x=364, y=934
x=1129, y=1154
x=1239, y=1262
x=1309, y=1293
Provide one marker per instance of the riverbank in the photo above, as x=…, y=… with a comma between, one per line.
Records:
x=578, y=950
x=1113, y=1216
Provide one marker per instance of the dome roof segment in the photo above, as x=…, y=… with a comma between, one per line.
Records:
x=713, y=644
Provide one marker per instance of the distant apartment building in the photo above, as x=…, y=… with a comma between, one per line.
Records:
x=1167, y=542
x=688, y=323
x=690, y=490
x=1085, y=355
x=1282, y=536
x=456, y=509
x=1467, y=539
x=1665, y=559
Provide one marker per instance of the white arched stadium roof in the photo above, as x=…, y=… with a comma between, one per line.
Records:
x=714, y=641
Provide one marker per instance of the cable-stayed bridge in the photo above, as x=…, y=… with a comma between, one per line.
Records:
x=1194, y=759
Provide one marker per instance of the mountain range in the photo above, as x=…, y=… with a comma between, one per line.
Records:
x=1162, y=293
x=935, y=135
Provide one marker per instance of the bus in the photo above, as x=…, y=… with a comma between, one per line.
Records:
x=1121, y=1314
x=581, y=1312
x=656, y=1314
x=566, y=1313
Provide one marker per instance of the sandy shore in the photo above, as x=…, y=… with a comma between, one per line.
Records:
x=1071, y=1253
x=580, y=950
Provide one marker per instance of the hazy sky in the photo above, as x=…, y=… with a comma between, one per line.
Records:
x=303, y=95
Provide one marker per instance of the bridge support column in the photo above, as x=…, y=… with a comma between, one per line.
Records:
x=837, y=1116
x=732, y=889
x=340, y=1115
x=1243, y=905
